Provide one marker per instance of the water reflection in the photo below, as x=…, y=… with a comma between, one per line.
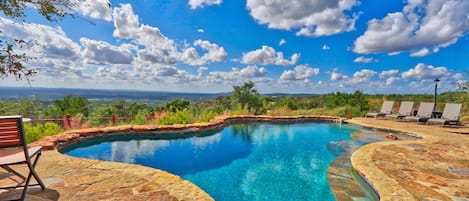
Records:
x=179, y=156
x=127, y=152
x=241, y=162
x=244, y=131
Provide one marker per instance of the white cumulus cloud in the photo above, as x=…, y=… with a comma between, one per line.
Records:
x=237, y=75
x=125, y=21
x=388, y=73
x=98, y=9
x=157, y=48
x=267, y=55
x=300, y=72
x=362, y=76
x=363, y=59
x=214, y=53
x=194, y=4
x=313, y=18
x=392, y=80
x=59, y=69
x=422, y=72
x=282, y=41
x=421, y=53
x=336, y=76
x=431, y=24
x=100, y=52
x=46, y=41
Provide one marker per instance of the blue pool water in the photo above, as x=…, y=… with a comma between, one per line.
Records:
x=240, y=162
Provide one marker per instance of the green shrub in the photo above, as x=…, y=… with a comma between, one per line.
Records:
x=206, y=116
x=38, y=131
x=241, y=111
x=280, y=111
x=338, y=111
x=140, y=118
x=178, y=117
x=101, y=116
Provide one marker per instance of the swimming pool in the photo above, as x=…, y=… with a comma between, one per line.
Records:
x=249, y=161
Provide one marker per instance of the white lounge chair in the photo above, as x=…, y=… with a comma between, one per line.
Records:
x=423, y=114
x=450, y=115
x=385, y=109
x=404, y=110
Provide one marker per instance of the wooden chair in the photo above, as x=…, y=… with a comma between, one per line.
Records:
x=14, y=151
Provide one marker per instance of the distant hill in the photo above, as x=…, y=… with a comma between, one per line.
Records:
x=20, y=93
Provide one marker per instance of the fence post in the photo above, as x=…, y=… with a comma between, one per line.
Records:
x=150, y=116
x=156, y=115
x=66, y=121
x=398, y=105
x=113, y=119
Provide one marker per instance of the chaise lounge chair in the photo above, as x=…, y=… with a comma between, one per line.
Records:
x=14, y=151
x=423, y=114
x=385, y=109
x=450, y=115
x=404, y=110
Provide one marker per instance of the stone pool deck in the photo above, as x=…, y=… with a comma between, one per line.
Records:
x=434, y=168
x=69, y=178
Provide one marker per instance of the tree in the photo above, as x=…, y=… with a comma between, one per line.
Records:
x=69, y=105
x=177, y=105
x=11, y=62
x=52, y=10
x=247, y=97
x=30, y=108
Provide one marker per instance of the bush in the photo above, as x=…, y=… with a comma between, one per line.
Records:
x=101, y=116
x=206, y=116
x=280, y=111
x=239, y=110
x=38, y=131
x=178, y=117
x=140, y=118
x=338, y=111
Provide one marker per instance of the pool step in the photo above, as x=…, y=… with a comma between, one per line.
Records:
x=342, y=180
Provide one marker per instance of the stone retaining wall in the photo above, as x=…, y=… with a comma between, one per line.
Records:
x=75, y=136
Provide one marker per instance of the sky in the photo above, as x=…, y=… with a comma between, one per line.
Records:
x=296, y=46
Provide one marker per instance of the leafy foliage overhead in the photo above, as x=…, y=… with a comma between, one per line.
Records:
x=13, y=63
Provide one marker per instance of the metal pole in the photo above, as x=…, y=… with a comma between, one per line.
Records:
x=436, y=93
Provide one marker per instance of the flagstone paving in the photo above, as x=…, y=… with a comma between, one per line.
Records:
x=69, y=178
x=433, y=168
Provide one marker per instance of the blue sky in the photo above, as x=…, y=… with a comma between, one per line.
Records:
x=298, y=46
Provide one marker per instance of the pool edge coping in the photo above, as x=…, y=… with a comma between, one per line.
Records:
x=68, y=138
x=372, y=174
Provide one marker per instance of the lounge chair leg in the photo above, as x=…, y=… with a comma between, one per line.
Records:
x=9, y=169
x=26, y=184
x=33, y=171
